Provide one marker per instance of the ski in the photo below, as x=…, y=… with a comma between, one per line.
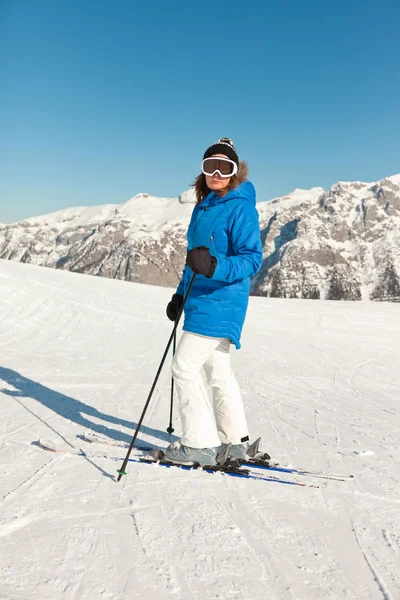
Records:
x=230, y=470
x=260, y=464
x=95, y=438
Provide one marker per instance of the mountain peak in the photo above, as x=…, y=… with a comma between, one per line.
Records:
x=394, y=179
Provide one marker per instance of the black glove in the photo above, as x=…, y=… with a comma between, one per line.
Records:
x=200, y=261
x=174, y=306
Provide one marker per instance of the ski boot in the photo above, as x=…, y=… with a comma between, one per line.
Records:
x=177, y=453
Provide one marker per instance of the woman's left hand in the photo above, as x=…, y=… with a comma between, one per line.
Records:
x=201, y=262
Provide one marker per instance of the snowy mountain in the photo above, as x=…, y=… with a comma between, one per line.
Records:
x=142, y=240
x=342, y=243
x=320, y=383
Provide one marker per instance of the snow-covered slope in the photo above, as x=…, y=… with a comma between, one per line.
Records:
x=299, y=196
x=320, y=384
x=142, y=209
x=343, y=243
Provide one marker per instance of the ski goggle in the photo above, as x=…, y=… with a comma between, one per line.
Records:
x=224, y=166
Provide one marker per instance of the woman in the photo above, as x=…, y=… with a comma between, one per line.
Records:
x=224, y=250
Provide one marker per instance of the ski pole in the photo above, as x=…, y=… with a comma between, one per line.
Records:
x=122, y=471
x=170, y=429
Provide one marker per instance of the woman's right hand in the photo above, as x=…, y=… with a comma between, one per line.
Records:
x=174, y=306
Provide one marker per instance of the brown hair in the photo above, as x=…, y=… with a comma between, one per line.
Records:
x=202, y=190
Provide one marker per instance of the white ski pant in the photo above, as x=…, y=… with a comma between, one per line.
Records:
x=206, y=424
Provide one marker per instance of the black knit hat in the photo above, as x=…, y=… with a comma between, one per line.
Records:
x=223, y=146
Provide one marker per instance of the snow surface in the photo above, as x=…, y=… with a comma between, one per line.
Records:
x=394, y=179
x=141, y=209
x=321, y=385
x=298, y=196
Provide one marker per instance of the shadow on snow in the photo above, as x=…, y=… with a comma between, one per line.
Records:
x=73, y=410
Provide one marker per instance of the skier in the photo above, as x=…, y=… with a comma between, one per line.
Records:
x=224, y=250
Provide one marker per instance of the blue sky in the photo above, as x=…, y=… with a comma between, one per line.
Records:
x=103, y=100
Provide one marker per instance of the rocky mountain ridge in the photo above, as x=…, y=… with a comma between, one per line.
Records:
x=339, y=244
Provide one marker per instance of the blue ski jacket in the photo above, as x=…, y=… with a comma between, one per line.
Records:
x=229, y=227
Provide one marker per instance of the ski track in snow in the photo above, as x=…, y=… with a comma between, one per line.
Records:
x=320, y=382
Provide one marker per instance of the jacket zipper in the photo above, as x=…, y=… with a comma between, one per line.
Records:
x=213, y=246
